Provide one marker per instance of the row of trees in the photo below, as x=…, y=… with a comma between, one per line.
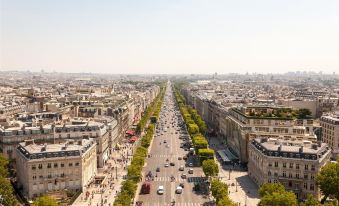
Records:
x=129, y=187
x=196, y=128
x=7, y=196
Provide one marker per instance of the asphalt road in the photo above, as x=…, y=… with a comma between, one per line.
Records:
x=169, y=131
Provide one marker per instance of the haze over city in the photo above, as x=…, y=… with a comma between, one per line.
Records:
x=145, y=37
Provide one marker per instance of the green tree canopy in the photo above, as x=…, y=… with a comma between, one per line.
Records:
x=328, y=180
x=269, y=188
x=219, y=190
x=210, y=168
x=7, y=192
x=45, y=200
x=279, y=199
x=3, y=166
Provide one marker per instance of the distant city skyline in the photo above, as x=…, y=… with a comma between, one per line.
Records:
x=170, y=37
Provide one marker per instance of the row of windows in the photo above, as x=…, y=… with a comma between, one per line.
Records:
x=297, y=175
x=55, y=165
x=290, y=184
x=291, y=165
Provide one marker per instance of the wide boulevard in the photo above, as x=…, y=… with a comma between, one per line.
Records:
x=167, y=147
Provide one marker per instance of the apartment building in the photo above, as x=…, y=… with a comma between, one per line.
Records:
x=70, y=165
x=79, y=129
x=294, y=163
x=10, y=137
x=330, y=132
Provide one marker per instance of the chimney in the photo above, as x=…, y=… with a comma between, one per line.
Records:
x=301, y=149
x=28, y=142
x=44, y=148
x=279, y=148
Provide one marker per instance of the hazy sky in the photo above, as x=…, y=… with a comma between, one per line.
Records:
x=173, y=36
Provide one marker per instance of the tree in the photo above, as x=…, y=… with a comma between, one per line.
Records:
x=219, y=190
x=304, y=113
x=45, y=200
x=269, y=188
x=279, y=199
x=226, y=201
x=7, y=192
x=3, y=166
x=210, y=168
x=193, y=129
x=310, y=201
x=328, y=180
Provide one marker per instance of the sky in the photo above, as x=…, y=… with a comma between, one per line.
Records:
x=170, y=36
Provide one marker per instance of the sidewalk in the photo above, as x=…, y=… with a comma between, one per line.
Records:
x=104, y=194
x=242, y=190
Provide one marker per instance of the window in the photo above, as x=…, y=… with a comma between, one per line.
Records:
x=312, y=177
x=312, y=187
x=312, y=167
x=33, y=167
x=284, y=173
x=290, y=183
x=77, y=164
x=49, y=165
x=41, y=176
x=290, y=175
x=40, y=166
x=297, y=166
x=62, y=165
x=276, y=164
x=284, y=165
x=291, y=165
x=297, y=175
x=305, y=176
x=269, y=173
x=270, y=164
x=34, y=177
x=269, y=181
x=305, y=185
x=306, y=167
x=275, y=181
x=70, y=164
x=55, y=165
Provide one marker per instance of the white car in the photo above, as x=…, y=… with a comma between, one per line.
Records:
x=178, y=190
x=160, y=190
x=166, y=164
x=181, y=168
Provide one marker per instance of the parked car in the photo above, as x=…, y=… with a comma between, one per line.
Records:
x=178, y=190
x=190, y=171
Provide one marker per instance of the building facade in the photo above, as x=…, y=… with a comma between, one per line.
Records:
x=50, y=167
x=295, y=164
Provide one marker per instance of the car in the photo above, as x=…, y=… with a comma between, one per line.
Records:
x=185, y=158
x=181, y=168
x=165, y=141
x=190, y=164
x=158, y=169
x=167, y=145
x=172, y=164
x=166, y=164
x=183, y=176
x=160, y=190
x=179, y=158
x=178, y=190
x=190, y=171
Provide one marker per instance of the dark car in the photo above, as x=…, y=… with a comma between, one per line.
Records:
x=158, y=169
x=172, y=164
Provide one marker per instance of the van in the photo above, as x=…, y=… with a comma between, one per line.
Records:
x=146, y=188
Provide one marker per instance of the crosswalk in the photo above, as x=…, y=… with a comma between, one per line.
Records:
x=179, y=179
x=168, y=179
x=176, y=204
x=166, y=155
x=196, y=179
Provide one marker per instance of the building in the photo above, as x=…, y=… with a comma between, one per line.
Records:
x=293, y=163
x=48, y=167
x=330, y=132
